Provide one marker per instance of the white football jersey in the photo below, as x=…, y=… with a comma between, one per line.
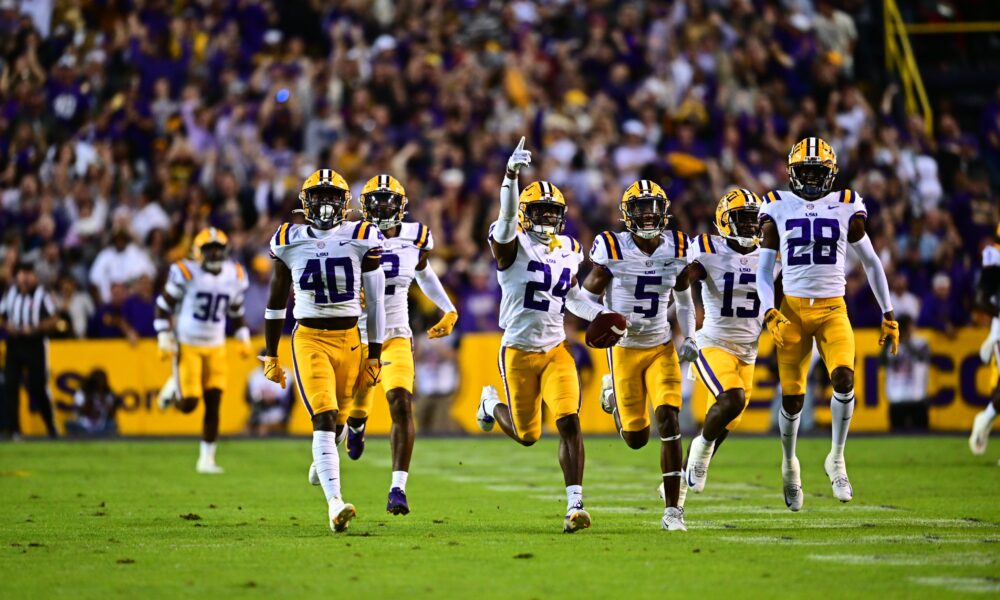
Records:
x=813, y=236
x=733, y=319
x=641, y=283
x=204, y=300
x=991, y=255
x=326, y=266
x=400, y=256
x=534, y=290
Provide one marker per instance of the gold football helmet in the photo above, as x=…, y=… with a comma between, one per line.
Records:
x=812, y=167
x=542, y=209
x=736, y=217
x=325, y=198
x=644, y=209
x=209, y=248
x=383, y=201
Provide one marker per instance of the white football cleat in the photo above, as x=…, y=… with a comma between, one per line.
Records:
x=791, y=480
x=313, y=475
x=576, y=519
x=208, y=467
x=341, y=514
x=486, y=420
x=168, y=394
x=673, y=519
x=607, y=394
x=836, y=470
x=697, y=467
x=980, y=433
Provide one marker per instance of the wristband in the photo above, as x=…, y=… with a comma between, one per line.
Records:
x=161, y=325
x=274, y=313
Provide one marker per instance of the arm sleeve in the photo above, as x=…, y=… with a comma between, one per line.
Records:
x=505, y=229
x=431, y=286
x=374, y=283
x=765, y=278
x=685, y=312
x=873, y=269
x=242, y=284
x=582, y=304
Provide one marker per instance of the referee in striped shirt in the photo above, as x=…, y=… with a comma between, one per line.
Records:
x=28, y=315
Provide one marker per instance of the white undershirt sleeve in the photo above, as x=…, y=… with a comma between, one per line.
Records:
x=374, y=283
x=505, y=228
x=685, y=312
x=765, y=278
x=431, y=286
x=875, y=272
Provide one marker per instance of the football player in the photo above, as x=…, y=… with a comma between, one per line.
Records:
x=988, y=299
x=404, y=259
x=328, y=260
x=636, y=270
x=726, y=264
x=536, y=267
x=812, y=226
x=190, y=322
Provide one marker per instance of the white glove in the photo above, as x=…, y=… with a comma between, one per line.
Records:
x=242, y=335
x=688, y=351
x=167, y=343
x=520, y=158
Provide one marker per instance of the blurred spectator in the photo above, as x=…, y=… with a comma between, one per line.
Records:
x=904, y=302
x=906, y=379
x=110, y=320
x=939, y=309
x=73, y=305
x=95, y=406
x=270, y=406
x=437, y=381
x=140, y=308
x=120, y=263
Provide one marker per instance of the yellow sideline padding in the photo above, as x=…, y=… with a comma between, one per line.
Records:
x=959, y=386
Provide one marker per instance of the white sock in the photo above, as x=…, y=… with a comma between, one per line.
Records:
x=399, y=479
x=574, y=496
x=327, y=461
x=788, y=425
x=207, y=450
x=701, y=447
x=490, y=404
x=841, y=411
x=991, y=413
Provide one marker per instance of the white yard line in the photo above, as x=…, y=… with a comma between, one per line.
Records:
x=981, y=585
x=909, y=560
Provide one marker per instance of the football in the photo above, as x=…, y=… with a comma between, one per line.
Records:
x=605, y=330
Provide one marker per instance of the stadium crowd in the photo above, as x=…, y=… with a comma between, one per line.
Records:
x=127, y=125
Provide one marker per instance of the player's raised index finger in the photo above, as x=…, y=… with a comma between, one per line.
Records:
x=520, y=145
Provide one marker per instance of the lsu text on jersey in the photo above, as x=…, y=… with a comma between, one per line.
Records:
x=326, y=278
x=644, y=363
x=813, y=247
x=205, y=300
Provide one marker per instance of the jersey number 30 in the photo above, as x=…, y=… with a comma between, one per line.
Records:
x=560, y=290
x=321, y=279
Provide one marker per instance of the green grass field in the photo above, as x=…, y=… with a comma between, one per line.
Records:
x=94, y=520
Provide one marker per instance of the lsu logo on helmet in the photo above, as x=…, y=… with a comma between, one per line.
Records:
x=383, y=201
x=325, y=197
x=736, y=217
x=644, y=208
x=542, y=208
x=812, y=167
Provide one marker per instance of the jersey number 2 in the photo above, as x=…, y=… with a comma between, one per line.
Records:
x=560, y=290
x=319, y=282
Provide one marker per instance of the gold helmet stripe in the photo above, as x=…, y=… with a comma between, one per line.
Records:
x=383, y=181
x=812, y=152
x=644, y=186
x=546, y=188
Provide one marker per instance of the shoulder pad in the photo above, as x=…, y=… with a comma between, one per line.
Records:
x=612, y=245
x=680, y=243
x=848, y=196
x=705, y=244
x=282, y=235
x=184, y=269
x=771, y=196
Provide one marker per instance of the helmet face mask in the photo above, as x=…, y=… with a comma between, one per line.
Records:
x=811, y=180
x=646, y=216
x=383, y=208
x=213, y=254
x=543, y=216
x=744, y=226
x=325, y=205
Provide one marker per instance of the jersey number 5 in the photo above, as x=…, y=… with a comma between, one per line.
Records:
x=320, y=281
x=560, y=290
x=822, y=233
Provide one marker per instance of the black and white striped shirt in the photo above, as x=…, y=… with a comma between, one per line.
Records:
x=26, y=310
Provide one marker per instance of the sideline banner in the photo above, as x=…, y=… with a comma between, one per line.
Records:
x=959, y=386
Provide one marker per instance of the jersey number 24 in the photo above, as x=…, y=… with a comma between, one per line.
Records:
x=559, y=290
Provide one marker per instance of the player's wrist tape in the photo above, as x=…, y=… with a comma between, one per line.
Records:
x=242, y=334
x=274, y=313
x=161, y=325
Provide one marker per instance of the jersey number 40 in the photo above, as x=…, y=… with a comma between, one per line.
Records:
x=320, y=278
